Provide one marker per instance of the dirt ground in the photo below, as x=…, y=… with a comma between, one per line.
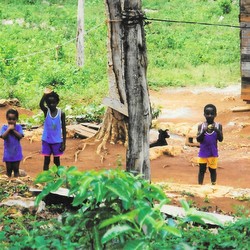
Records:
x=181, y=107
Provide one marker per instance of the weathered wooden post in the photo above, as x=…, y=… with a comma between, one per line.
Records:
x=129, y=112
x=80, y=34
x=245, y=49
x=135, y=67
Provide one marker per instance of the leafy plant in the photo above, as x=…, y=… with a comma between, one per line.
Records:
x=156, y=111
x=114, y=206
x=225, y=5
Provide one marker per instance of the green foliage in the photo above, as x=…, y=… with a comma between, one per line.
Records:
x=38, y=48
x=226, y=6
x=114, y=206
x=114, y=210
x=156, y=111
x=185, y=54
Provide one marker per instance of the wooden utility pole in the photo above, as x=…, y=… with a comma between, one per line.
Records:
x=135, y=68
x=128, y=116
x=80, y=34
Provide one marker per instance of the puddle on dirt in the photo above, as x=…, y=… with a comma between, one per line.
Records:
x=229, y=90
x=176, y=137
x=176, y=113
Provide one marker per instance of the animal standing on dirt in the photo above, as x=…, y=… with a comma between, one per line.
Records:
x=209, y=133
x=54, y=131
x=12, y=134
x=161, y=141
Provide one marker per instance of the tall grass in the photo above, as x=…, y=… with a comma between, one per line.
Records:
x=41, y=39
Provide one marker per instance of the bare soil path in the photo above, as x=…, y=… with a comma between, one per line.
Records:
x=181, y=107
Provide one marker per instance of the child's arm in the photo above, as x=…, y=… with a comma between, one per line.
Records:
x=219, y=133
x=18, y=132
x=201, y=133
x=42, y=106
x=63, y=146
x=5, y=134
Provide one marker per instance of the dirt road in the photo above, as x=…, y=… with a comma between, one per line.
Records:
x=182, y=108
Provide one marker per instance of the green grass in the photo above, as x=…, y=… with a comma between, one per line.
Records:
x=178, y=54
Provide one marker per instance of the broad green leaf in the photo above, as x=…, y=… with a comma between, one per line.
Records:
x=119, y=191
x=61, y=171
x=78, y=199
x=97, y=241
x=195, y=218
x=185, y=205
x=136, y=245
x=72, y=168
x=157, y=192
x=115, y=231
x=53, y=169
x=44, y=177
x=205, y=217
x=55, y=186
x=98, y=191
x=173, y=230
x=143, y=215
x=46, y=190
x=130, y=216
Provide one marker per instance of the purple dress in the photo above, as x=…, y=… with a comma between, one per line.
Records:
x=208, y=147
x=12, y=145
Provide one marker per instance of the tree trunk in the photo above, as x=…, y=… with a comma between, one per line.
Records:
x=80, y=34
x=128, y=92
x=135, y=67
x=114, y=127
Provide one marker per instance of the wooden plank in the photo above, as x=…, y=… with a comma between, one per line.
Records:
x=244, y=7
x=244, y=25
x=180, y=212
x=116, y=105
x=241, y=109
x=81, y=130
x=245, y=57
x=244, y=19
x=245, y=50
x=91, y=125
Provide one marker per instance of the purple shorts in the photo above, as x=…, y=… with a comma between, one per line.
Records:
x=49, y=148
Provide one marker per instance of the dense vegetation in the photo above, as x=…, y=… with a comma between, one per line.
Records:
x=38, y=48
x=112, y=209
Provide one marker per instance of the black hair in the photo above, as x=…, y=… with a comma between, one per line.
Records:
x=52, y=94
x=210, y=106
x=13, y=112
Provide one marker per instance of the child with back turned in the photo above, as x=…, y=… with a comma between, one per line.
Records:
x=209, y=132
x=12, y=134
x=54, y=132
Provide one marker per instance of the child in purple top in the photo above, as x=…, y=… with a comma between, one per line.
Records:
x=12, y=134
x=54, y=132
x=209, y=133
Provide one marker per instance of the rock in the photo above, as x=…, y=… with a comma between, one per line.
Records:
x=11, y=102
x=23, y=203
x=156, y=152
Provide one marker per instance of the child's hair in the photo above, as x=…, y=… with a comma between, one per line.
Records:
x=12, y=111
x=54, y=95
x=210, y=106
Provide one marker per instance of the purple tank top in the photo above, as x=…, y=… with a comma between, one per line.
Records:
x=52, y=130
x=208, y=147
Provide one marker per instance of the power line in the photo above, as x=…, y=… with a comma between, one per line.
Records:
x=42, y=51
x=194, y=23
